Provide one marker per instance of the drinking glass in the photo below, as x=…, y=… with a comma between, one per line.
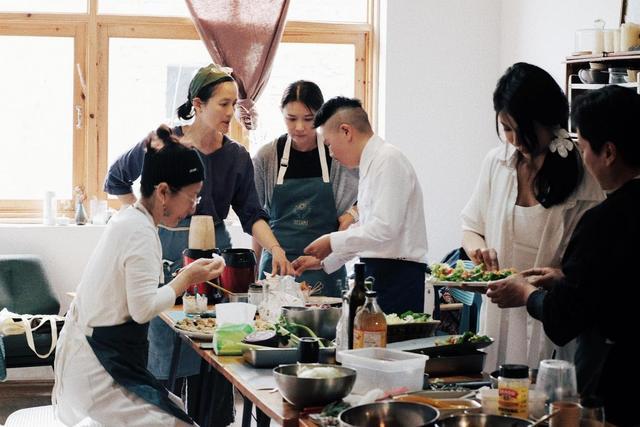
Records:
x=557, y=379
x=592, y=413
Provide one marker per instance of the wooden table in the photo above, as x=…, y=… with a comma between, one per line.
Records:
x=246, y=379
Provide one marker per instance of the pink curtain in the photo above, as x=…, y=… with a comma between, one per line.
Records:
x=243, y=35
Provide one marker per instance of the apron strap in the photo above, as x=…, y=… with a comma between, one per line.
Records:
x=323, y=159
x=284, y=163
x=28, y=331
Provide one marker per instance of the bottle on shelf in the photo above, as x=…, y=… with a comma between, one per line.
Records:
x=370, y=325
x=356, y=297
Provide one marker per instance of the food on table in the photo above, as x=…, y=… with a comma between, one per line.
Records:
x=407, y=317
x=467, y=337
x=445, y=273
x=319, y=372
x=203, y=326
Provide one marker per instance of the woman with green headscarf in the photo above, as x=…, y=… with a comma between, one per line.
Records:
x=228, y=182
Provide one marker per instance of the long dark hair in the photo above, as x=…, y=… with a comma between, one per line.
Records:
x=185, y=111
x=303, y=91
x=530, y=95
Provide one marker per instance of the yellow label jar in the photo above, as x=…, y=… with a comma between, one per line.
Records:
x=513, y=390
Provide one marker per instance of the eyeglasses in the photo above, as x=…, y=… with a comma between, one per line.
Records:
x=194, y=201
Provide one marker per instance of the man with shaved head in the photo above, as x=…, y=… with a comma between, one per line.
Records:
x=390, y=236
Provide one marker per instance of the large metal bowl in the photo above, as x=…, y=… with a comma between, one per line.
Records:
x=322, y=321
x=389, y=414
x=482, y=420
x=306, y=392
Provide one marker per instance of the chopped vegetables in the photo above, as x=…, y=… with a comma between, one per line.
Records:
x=467, y=337
x=445, y=273
x=407, y=317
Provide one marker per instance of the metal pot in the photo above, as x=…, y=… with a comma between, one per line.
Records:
x=482, y=420
x=389, y=414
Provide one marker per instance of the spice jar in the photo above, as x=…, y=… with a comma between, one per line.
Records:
x=513, y=390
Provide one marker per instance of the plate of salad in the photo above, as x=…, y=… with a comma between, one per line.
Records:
x=442, y=274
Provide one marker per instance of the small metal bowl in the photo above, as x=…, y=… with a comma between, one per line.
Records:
x=322, y=321
x=389, y=414
x=307, y=392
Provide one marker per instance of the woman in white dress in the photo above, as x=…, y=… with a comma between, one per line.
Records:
x=100, y=367
x=531, y=193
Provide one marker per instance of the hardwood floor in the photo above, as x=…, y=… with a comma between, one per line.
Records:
x=16, y=395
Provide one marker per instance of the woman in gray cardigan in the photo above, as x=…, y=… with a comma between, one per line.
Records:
x=305, y=193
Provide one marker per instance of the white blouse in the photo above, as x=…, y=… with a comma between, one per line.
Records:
x=491, y=213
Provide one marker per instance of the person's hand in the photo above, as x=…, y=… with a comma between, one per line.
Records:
x=510, y=292
x=304, y=263
x=543, y=277
x=203, y=269
x=279, y=262
x=488, y=256
x=319, y=248
x=345, y=221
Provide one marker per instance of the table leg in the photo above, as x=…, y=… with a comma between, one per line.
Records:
x=262, y=420
x=246, y=412
x=175, y=361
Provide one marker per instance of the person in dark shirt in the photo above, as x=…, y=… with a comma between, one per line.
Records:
x=305, y=193
x=228, y=183
x=600, y=258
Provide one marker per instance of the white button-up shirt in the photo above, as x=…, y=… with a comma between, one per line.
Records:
x=392, y=223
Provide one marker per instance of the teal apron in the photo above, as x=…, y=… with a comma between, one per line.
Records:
x=302, y=210
x=161, y=337
x=122, y=351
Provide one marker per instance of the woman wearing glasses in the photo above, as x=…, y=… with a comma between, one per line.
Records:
x=228, y=183
x=100, y=358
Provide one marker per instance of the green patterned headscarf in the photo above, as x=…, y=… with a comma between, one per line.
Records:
x=205, y=76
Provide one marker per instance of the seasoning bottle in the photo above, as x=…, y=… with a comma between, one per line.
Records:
x=513, y=390
x=342, y=331
x=356, y=297
x=370, y=325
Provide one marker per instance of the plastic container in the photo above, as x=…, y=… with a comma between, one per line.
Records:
x=513, y=390
x=384, y=368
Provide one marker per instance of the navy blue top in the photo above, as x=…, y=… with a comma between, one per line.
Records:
x=228, y=181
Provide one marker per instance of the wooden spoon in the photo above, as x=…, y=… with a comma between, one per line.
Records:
x=219, y=287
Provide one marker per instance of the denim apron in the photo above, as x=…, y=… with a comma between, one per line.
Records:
x=122, y=351
x=161, y=337
x=302, y=210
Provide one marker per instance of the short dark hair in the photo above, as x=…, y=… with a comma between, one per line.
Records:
x=611, y=115
x=529, y=94
x=303, y=91
x=174, y=163
x=359, y=117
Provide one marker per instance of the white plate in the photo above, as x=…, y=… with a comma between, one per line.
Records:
x=436, y=282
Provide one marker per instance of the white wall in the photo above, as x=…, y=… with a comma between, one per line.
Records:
x=542, y=32
x=439, y=66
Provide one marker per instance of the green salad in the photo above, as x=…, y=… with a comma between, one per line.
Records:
x=445, y=273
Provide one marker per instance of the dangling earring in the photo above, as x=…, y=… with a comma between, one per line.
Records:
x=165, y=211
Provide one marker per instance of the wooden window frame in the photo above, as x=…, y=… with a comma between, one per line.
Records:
x=92, y=32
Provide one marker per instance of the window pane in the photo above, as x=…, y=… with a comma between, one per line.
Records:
x=148, y=81
x=36, y=152
x=328, y=10
x=330, y=66
x=44, y=6
x=144, y=7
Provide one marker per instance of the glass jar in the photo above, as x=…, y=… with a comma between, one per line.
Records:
x=513, y=390
x=370, y=325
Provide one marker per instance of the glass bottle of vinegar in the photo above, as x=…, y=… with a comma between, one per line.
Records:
x=370, y=325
